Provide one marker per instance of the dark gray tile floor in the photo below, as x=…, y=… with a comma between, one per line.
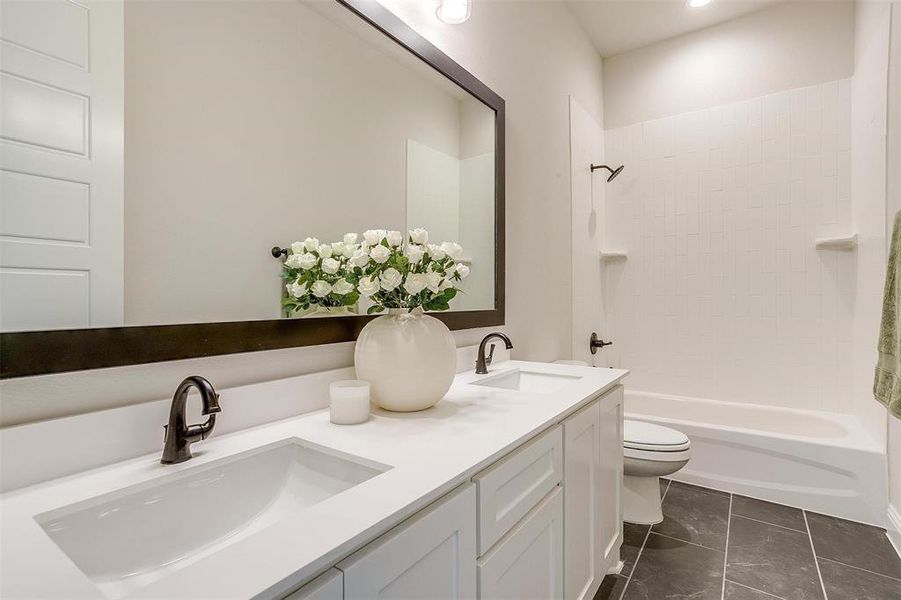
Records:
x=720, y=546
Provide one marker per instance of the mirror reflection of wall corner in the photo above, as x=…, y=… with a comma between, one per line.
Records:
x=446, y=194
x=247, y=124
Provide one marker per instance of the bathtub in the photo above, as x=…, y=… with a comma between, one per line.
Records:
x=819, y=461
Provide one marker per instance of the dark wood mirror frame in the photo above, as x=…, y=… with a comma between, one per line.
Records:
x=44, y=352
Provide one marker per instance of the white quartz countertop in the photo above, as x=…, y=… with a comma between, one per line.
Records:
x=430, y=453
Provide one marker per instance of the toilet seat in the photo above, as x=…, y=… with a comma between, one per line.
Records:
x=656, y=455
x=649, y=437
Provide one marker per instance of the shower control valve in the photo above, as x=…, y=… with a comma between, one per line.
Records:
x=596, y=343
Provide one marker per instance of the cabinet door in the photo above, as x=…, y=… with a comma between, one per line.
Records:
x=582, y=472
x=610, y=513
x=512, y=486
x=327, y=586
x=527, y=563
x=431, y=555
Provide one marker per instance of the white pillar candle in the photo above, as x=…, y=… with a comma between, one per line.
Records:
x=348, y=401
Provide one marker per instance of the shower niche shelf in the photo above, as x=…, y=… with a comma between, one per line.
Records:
x=842, y=242
x=611, y=255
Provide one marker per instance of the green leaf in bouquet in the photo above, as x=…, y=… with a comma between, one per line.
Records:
x=398, y=261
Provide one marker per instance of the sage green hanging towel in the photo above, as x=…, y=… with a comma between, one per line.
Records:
x=887, y=385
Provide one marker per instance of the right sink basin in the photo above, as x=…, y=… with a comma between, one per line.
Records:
x=523, y=380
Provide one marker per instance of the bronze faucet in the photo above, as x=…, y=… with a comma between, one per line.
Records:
x=483, y=361
x=180, y=435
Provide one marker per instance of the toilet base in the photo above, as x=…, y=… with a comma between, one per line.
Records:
x=642, y=504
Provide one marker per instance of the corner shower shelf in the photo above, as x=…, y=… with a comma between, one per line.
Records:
x=845, y=242
x=608, y=255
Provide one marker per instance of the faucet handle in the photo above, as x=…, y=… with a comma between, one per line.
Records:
x=200, y=431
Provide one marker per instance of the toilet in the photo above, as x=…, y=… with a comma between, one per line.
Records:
x=650, y=452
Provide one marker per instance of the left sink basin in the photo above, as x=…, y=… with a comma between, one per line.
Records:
x=130, y=538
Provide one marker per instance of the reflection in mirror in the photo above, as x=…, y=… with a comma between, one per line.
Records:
x=247, y=124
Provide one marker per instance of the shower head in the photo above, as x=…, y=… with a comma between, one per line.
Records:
x=613, y=172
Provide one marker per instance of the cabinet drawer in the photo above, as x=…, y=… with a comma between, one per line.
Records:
x=511, y=487
x=528, y=561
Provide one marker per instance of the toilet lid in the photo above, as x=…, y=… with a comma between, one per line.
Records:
x=648, y=436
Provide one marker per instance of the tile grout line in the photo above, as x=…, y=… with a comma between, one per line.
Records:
x=695, y=544
x=726, y=553
x=813, y=551
x=748, y=587
x=768, y=523
x=643, y=542
x=635, y=564
x=838, y=562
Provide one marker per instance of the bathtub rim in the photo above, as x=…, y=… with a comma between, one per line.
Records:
x=856, y=438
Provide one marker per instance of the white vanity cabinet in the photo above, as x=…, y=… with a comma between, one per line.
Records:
x=431, y=555
x=593, y=475
x=542, y=522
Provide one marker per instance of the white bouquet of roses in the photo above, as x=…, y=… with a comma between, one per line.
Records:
x=411, y=273
x=388, y=270
x=320, y=275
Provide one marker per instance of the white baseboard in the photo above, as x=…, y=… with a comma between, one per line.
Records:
x=893, y=527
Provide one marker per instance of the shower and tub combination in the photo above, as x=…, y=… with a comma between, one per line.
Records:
x=742, y=330
x=824, y=462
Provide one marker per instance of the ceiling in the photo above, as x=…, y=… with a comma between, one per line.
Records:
x=616, y=26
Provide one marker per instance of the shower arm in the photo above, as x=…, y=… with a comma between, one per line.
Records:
x=613, y=172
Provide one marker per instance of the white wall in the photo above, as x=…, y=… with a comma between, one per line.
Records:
x=588, y=223
x=869, y=92
x=719, y=210
x=477, y=162
x=534, y=55
x=447, y=195
x=787, y=46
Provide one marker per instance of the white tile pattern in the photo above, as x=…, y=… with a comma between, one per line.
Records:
x=719, y=210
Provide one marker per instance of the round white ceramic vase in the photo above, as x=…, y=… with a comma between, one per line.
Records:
x=408, y=358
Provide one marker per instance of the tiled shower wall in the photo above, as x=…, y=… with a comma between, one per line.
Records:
x=723, y=294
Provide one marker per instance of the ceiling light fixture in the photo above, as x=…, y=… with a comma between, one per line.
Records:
x=455, y=12
x=698, y=3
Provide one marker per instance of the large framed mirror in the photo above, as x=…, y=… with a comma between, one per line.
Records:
x=149, y=203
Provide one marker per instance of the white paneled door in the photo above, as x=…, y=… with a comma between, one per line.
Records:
x=61, y=164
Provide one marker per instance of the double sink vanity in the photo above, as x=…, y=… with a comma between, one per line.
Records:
x=508, y=487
